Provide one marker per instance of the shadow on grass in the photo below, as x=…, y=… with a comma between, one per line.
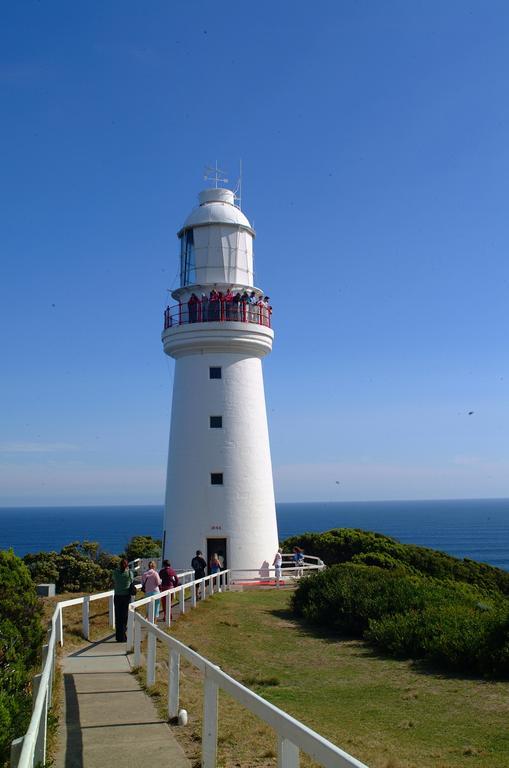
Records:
x=362, y=649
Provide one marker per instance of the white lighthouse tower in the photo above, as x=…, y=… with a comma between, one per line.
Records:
x=219, y=493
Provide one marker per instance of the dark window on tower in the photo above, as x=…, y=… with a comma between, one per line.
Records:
x=214, y=372
x=216, y=422
x=216, y=478
x=187, y=264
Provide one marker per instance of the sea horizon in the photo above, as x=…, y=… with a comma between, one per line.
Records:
x=477, y=529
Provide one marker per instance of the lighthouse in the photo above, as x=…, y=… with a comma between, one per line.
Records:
x=219, y=491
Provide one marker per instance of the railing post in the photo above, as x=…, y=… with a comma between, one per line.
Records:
x=40, y=743
x=137, y=642
x=44, y=654
x=287, y=754
x=36, y=684
x=16, y=747
x=151, y=658
x=182, y=600
x=193, y=595
x=60, y=626
x=173, y=683
x=151, y=611
x=111, y=611
x=129, y=630
x=211, y=586
x=86, y=617
x=209, y=733
x=168, y=599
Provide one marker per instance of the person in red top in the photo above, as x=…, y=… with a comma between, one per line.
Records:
x=169, y=579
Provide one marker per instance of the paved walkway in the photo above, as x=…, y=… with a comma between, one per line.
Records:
x=107, y=719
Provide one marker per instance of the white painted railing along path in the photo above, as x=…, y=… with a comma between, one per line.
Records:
x=30, y=750
x=292, y=736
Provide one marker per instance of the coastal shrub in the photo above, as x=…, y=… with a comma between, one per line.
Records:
x=409, y=615
x=21, y=636
x=341, y=545
x=143, y=546
x=458, y=636
x=79, y=567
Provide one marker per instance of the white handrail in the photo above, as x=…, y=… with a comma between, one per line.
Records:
x=292, y=735
x=30, y=749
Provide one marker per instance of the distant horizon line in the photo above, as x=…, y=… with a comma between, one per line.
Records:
x=352, y=501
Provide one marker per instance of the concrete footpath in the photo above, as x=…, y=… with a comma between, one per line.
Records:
x=107, y=719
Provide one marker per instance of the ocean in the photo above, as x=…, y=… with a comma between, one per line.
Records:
x=473, y=528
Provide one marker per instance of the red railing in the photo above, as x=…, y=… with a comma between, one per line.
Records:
x=218, y=311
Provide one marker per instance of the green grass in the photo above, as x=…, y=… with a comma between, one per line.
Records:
x=385, y=712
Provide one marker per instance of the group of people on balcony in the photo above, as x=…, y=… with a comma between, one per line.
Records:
x=244, y=307
x=218, y=306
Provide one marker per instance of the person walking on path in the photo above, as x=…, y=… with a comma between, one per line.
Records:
x=215, y=564
x=278, y=562
x=150, y=584
x=199, y=566
x=122, y=581
x=169, y=579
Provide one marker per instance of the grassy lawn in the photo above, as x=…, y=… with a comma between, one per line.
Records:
x=385, y=712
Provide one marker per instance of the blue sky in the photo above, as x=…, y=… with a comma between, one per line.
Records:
x=373, y=137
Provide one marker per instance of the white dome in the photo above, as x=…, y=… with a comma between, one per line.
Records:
x=216, y=207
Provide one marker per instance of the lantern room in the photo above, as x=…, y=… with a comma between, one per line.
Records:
x=216, y=243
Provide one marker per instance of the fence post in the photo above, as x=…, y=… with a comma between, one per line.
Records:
x=211, y=585
x=40, y=743
x=137, y=642
x=130, y=620
x=60, y=626
x=44, y=654
x=36, y=684
x=173, y=683
x=209, y=733
x=182, y=600
x=86, y=617
x=111, y=611
x=287, y=754
x=168, y=598
x=193, y=595
x=151, y=658
x=16, y=747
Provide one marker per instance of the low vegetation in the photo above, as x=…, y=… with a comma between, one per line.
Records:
x=343, y=545
x=21, y=637
x=84, y=566
x=408, y=601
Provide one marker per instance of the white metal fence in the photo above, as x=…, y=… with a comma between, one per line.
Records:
x=292, y=736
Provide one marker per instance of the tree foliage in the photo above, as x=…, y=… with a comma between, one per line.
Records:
x=78, y=567
x=21, y=636
x=143, y=546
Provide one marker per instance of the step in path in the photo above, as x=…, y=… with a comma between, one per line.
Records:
x=107, y=719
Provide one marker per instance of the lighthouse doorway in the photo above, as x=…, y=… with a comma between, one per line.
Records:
x=217, y=547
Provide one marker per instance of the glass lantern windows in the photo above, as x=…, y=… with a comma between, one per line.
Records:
x=187, y=261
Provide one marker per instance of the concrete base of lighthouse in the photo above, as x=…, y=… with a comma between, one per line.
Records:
x=235, y=517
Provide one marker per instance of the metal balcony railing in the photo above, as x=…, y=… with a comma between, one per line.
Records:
x=218, y=310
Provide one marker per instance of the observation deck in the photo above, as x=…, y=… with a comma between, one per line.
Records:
x=218, y=325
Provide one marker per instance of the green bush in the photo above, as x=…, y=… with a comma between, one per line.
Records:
x=409, y=615
x=341, y=545
x=21, y=636
x=79, y=567
x=143, y=546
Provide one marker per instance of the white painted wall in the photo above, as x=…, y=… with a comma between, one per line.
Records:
x=243, y=507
